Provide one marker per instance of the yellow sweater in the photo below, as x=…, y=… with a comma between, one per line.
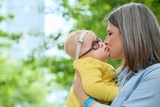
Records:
x=98, y=80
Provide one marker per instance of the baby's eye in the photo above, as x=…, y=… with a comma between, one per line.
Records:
x=95, y=45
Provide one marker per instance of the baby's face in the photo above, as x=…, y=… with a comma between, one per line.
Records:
x=94, y=47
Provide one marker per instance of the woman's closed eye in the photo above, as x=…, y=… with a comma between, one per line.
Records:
x=109, y=34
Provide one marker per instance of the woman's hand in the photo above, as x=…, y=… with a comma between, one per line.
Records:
x=79, y=91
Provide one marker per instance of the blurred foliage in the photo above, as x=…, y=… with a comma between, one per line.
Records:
x=19, y=85
x=24, y=82
x=61, y=69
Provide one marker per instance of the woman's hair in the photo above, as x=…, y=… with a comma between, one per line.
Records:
x=140, y=32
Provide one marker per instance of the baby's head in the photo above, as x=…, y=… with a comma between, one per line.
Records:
x=91, y=45
x=71, y=43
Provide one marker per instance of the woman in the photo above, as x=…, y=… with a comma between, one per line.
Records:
x=133, y=36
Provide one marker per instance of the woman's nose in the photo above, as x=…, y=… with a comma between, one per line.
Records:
x=106, y=40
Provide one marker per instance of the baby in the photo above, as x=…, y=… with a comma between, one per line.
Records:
x=90, y=55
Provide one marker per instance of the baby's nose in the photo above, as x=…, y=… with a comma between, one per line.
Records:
x=102, y=44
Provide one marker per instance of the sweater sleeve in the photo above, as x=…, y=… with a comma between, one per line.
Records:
x=92, y=81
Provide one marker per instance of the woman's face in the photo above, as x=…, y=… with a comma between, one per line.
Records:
x=115, y=42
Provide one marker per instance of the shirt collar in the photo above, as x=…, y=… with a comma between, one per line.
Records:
x=125, y=75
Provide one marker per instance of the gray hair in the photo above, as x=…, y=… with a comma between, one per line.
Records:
x=140, y=32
